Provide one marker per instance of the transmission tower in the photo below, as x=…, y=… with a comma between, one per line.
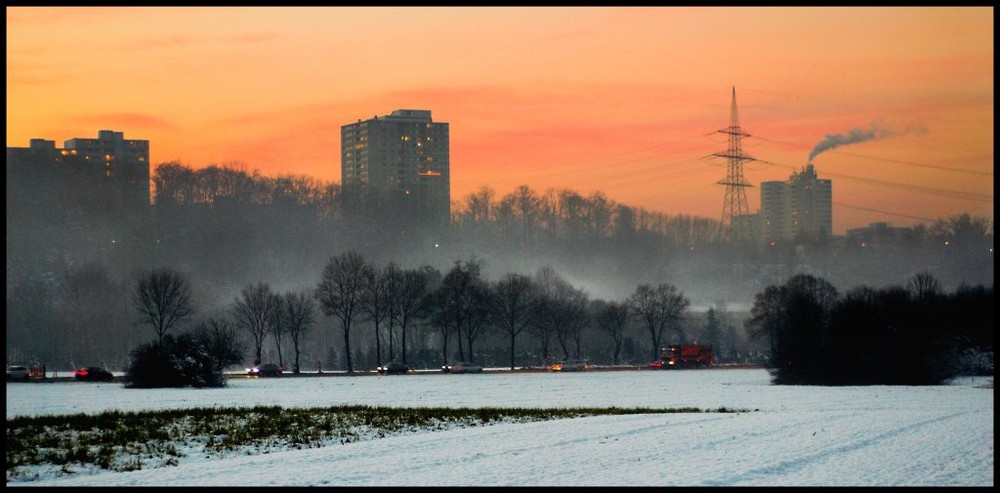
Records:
x=735, y=224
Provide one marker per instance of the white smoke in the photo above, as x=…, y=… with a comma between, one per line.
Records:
x=875, y=131
x=852, y=136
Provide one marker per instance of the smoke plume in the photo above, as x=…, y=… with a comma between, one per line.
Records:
x=853, y=136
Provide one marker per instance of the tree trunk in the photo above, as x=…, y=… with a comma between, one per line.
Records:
x=347, y=347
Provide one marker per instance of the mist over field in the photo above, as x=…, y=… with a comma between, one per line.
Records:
x=71, y=275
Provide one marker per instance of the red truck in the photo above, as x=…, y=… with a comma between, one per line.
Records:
x=685, y=356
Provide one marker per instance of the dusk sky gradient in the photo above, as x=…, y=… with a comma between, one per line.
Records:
x=625, y=101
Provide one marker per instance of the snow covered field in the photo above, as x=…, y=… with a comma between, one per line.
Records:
x=794, y=435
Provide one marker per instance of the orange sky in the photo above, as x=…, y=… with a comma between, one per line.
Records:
x=619, y=100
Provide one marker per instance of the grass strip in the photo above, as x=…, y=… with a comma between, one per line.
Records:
x=125, y=441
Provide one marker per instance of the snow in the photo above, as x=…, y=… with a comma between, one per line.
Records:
x=791, y=436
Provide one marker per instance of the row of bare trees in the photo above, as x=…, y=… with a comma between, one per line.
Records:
x=523, y=214
x=163, y=299
x=463, y=304
x=460, y=305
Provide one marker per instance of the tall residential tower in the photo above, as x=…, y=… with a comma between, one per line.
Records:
x=802, y=205
x=401, y=158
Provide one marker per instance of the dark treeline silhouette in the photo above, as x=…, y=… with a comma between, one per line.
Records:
x=72, y=267
x=874, y=336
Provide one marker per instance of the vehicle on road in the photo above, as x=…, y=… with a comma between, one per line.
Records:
x=93, y=374
x=571, y=365
x=265, y=370
x=685, y=356
x=462, y=367
x=18, y=373
x=394, y=368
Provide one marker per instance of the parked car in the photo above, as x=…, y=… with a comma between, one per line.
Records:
x=265, y=370
x=462, y=367
x=394, y=368
x=93, y=374
x=18, y=373
x=572, y=365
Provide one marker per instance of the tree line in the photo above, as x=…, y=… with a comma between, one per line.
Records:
x=897, y=335
x=460, y=305
x=914, y=335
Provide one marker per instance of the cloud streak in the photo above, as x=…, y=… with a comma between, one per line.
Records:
x=127, y=120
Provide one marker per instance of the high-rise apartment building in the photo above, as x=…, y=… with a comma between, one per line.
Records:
x=403, y=158
x=802, y=205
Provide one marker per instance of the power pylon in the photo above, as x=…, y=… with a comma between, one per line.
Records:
x=735, y=222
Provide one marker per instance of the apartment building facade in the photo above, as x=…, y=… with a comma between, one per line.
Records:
x=402, y=158
x=801, y=206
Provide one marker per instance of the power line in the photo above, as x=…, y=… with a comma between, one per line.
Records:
x=919, y=218
x=922, y=165
x=898, y=161
x=567, y=168
x=955, y=194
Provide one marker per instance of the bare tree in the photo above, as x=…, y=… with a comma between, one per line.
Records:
x=277, y=326
x=477, y=319
x=924, y=286
x=375, y=303
x=466, y=302
x=413, y=300
x=713, y=330
x=545, y=308
x=658, y=309
x=441, y=317
x=543, y=312
x=339, y=292
x=393, y=276
x=577, y=318
x=611, y=318
x=512, y=301
x=163, y=298
x=527, y=207
x=218, y=338
x=255, y=312
x=298, y=314
x=559, y=310
x=477, y=212
x=793, y=316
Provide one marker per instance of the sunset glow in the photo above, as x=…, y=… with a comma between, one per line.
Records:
x=624, y=101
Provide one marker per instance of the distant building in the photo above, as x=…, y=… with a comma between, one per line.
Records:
x=109, y=170
x=877, y=234
x=802, y=205
x=402, y=158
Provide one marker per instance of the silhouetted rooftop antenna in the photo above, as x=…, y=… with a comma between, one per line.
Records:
x=736, y=223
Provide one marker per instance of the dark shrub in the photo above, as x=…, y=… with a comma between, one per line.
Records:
x=176, y=362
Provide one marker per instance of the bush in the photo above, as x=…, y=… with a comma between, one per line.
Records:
x=179, y=362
